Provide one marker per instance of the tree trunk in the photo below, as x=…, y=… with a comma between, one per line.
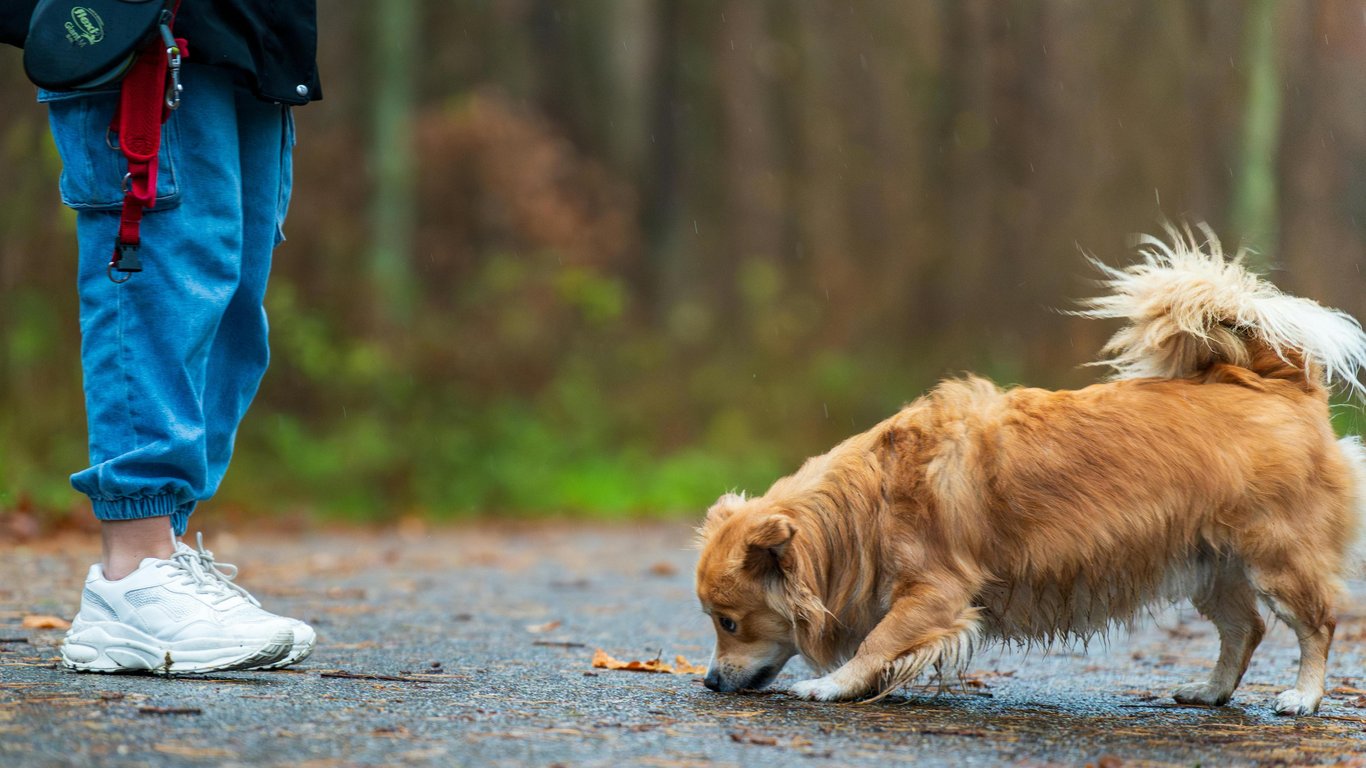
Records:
x=392, y=157
x=1254, y=197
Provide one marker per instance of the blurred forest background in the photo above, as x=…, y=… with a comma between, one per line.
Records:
x=615, y=258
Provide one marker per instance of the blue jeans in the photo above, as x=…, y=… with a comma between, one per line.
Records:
x=173, y=357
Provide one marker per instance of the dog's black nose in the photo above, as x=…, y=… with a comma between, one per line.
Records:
x=713, y=680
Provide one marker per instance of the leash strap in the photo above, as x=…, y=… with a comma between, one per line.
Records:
x=146, y=100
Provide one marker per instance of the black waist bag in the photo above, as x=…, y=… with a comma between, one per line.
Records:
x=75, y=44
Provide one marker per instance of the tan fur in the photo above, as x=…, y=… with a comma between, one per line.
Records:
x=1027, y=515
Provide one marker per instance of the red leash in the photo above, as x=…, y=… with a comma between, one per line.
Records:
x=145, y=102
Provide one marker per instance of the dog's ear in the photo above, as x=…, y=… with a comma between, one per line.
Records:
x=769, y=543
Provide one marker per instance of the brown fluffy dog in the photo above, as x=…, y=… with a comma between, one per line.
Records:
x=1208, y=469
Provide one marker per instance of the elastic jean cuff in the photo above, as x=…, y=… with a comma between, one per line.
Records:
x=138, y=508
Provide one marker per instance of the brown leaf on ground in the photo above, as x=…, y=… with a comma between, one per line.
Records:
x=540, y=629
x=663, y=568
x=682, y=667
x=37, y=621
x=602, y=660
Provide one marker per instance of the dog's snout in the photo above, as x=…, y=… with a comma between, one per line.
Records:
x=713, y=680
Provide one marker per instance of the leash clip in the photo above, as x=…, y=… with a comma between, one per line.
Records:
x=173, y=88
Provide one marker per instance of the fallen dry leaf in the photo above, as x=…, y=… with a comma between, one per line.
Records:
x=602, y=660
x=663, y=568
x=540, y=629
x=36, y=621
x=682, y=667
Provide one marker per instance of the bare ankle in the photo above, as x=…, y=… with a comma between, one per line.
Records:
x=128, y=542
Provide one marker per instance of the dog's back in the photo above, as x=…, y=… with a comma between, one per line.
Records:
x=1095, y=503
x=1207, y=468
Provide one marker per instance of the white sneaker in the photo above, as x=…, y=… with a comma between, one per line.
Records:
x=171, y=617
x=304, y=636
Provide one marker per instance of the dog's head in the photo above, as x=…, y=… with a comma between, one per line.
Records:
x=746, y=550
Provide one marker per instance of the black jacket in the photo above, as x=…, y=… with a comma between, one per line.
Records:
x=272, y=45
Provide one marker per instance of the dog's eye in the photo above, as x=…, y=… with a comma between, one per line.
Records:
x=727, y=624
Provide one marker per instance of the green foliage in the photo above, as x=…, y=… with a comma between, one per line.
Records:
x=1349, y=417
x=605, y=432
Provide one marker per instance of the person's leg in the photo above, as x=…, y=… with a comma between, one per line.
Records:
x=145, y=350
x=145, y=342
x=240, y=352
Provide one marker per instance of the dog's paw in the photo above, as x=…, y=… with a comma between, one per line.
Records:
x=1295, y=702
x=1202, y=693
x=820, y=689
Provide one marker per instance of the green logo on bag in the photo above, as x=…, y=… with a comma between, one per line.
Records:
x=85, y=27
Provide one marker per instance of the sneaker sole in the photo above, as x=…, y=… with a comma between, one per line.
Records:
x=294, y=657
x=304, y=640
x=113, y=648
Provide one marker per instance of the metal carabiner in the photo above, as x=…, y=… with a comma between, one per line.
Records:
x=174, y=87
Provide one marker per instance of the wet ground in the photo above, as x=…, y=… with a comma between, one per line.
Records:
x=472, y=646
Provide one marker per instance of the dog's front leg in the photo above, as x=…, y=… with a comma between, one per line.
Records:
x=925, y=628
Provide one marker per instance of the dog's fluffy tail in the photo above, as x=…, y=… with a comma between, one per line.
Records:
x=1355, y=452
x=1190, y=307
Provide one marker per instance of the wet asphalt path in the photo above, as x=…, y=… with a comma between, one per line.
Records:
x=490, y=632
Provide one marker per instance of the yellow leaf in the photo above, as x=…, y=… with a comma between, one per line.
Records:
x=35, y=621
x=602, y=660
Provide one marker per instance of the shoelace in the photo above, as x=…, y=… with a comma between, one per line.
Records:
x=224, y=573
x=190, y=570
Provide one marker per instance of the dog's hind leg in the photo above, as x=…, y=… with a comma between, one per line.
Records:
x=1303, y=599
x=925, y=629
x=1228, y=600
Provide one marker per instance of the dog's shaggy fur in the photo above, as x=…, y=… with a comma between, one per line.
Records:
x=1206, y=469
